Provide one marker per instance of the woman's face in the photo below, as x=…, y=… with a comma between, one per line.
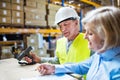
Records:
x=94, y=41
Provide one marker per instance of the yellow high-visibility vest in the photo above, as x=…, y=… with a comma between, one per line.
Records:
x=78, y=50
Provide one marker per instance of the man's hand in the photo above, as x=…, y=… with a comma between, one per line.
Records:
x=34, y=56
x=46, y=69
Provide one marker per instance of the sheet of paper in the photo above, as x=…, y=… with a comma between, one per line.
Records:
x=51, y=77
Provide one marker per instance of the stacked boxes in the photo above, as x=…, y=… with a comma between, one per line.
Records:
x=52, y=9
x=6, y=52
x=5, y=12
x=20, y=12
x=17, y=12
x=35, y=12
x=5, y=0
x=37, y=43
x=28, y=12
x=11, y=12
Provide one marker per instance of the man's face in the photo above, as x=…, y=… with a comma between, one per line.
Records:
x=69, y=28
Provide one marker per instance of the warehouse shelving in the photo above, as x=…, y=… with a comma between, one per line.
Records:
x=4, y=43
x=91, y=3
x=27, y=31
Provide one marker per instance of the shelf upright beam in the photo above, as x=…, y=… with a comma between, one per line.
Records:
x=48, y=1
x=81, y=21
x=49, y=41
x=62, y=3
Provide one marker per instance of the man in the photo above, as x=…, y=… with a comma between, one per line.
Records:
x=72, y=47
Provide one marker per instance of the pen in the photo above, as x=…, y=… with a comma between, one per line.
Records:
x=77, y=76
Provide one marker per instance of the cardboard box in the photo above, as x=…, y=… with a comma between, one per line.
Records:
x=41, y=1
x=41, y=5
x=18, y=1
x=51, y=23
x=17, y=7
x=17, y=20
x=35, y=16
x=42, y=52
x=53, y=7
x=5, y=20
x=51, y=12
x=40, y=17
x=31, y=0
x=17, y=14
x=51, y=18
x=37, y=43
x=29, y=15
x=36, y=40
x=32, y=41
x=35, y=22
x=6, y=52
x=29, y=9
x=5, y=5
x=34, y=10
x=5, y=1
x=5, y=12
x=31, y=4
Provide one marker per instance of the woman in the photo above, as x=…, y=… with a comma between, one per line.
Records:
x=102, y=28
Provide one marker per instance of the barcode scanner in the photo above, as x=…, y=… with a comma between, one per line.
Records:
x=23, y=54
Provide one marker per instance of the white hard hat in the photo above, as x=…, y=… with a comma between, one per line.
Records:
x=65, y=13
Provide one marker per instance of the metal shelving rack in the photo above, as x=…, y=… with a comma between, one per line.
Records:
x=27, y=31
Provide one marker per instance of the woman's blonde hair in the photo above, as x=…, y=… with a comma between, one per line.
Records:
x=106, y=21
